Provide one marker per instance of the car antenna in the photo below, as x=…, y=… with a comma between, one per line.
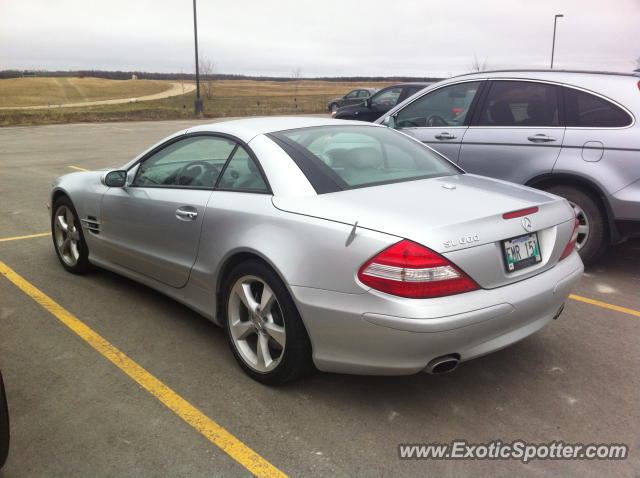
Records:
x=352, y=234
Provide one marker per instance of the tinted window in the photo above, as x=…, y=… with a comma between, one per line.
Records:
x=352, y=94
x=242, y=173
x=364, y=93
x=446, y=106
x=387, y=98
x=587, y=110
x=195, y=161
x=520, y=103
x=355, y=156
x=412, y=90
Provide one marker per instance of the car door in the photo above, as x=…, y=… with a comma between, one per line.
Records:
x=439, y=117
x=516, y=133
x=351, y=98
x=152, y=226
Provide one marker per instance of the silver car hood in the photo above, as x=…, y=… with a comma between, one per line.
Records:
x=444, y=214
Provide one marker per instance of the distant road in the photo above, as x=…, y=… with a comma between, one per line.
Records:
x=176, y=89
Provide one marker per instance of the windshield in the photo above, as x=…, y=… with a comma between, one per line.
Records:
x=357, y=156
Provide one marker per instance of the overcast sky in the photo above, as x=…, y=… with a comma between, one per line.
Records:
x=320, y=37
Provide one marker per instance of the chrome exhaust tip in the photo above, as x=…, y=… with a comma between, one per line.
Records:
x=444, y=364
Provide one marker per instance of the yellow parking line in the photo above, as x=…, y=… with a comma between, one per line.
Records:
x=25, y=237
x=220, y=437
x=79, y=169
x=624, y=310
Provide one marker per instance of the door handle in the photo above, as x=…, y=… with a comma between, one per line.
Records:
x=445, y=135
x=541, y=138
x=186, y=213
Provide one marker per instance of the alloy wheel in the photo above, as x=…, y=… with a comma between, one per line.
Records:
x=256, y=324
x=583, y=225
x=67, y=235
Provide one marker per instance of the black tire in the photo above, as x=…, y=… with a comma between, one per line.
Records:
x=595, y=244
x=4, y=425
x=333, y=107
x=82, y=265
x=295, y=361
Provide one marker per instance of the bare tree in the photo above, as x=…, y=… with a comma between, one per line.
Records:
x=296, y=73
x=207, y=71
x=477, y=65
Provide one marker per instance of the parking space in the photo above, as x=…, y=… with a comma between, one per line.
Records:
x=76, y=413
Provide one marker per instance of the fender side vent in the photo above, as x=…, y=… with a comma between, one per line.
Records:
x=92, y=224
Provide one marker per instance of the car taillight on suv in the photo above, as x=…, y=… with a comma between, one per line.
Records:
x=407, y=269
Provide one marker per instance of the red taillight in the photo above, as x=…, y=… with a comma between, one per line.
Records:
x=408, y=269
x=571, y=245
x=520, y=213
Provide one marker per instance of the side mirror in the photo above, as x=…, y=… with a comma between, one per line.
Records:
x=390, y=121
x=115, y=179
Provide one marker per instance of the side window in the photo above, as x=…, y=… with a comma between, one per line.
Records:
x=352, y=94
x=520, y=103
x=590, y=111
x=364, y=93
x=242, y=173
x=447, y=106
x=195, y=162
x=412, y=91
x=387, y=98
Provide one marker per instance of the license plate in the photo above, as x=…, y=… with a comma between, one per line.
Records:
x=521, y=252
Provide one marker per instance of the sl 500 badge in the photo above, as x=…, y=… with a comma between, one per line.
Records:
x=462, y=241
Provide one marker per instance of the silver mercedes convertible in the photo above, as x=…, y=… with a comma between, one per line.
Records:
x=324, y=244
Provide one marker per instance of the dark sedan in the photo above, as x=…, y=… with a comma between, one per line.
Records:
x=372, y=108
x=351, y=98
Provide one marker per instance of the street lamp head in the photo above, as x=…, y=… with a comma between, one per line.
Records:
x=559, y=16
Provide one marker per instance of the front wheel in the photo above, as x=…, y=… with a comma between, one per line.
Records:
x=263, y=326
x=334, y=107
x=68, y=239
x=592, y=230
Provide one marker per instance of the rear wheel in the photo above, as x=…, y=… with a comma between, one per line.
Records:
x=263, y=326
x=592, y=231
x=68, y=239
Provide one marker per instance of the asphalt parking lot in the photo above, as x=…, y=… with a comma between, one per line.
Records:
x=75, y=413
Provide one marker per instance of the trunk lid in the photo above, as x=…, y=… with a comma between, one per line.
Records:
x=451, y=215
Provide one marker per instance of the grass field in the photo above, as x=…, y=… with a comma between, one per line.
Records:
x=44, y=91
x=221, y=98
x=224, y=88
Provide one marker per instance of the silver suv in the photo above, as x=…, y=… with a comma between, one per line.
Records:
x=571, y=133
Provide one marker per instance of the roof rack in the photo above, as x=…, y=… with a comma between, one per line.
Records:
x=548, y=70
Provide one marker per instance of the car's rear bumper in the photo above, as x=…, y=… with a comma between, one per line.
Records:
x=374, y=333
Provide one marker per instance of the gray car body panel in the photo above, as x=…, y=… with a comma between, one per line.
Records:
x=606, y=159
x=312, y=243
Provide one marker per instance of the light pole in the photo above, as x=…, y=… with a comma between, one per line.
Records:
x=198, y=102
x=553, y=45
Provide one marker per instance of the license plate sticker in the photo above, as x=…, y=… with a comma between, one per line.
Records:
x=521, y=252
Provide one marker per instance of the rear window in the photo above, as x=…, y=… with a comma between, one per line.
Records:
x=335, y=158
x=520, y=103
x=591, y=111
